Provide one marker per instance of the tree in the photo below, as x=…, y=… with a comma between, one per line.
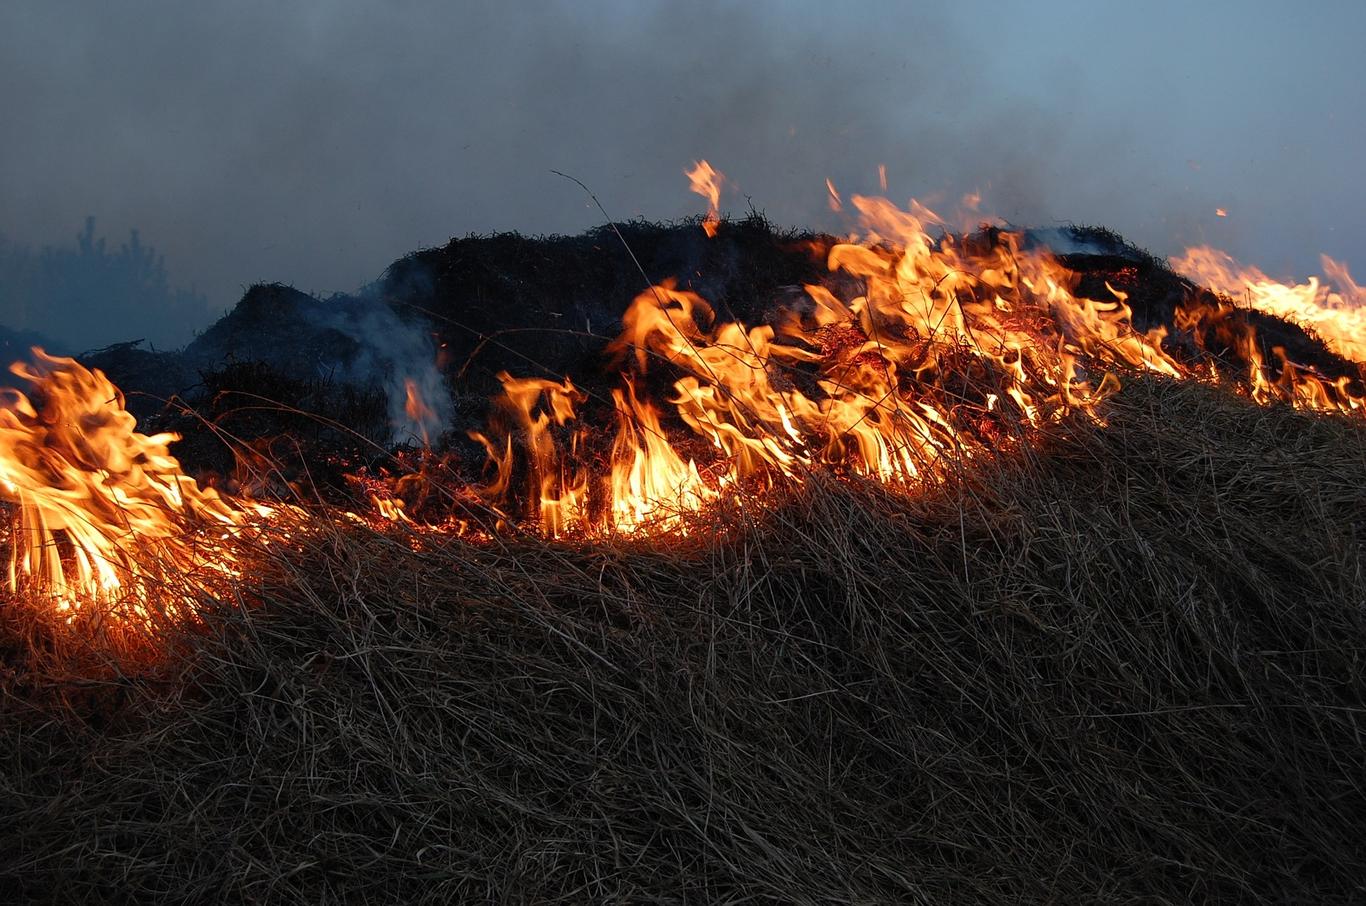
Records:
x=87, y=296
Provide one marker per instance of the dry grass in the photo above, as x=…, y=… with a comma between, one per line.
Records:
x=1127, y=669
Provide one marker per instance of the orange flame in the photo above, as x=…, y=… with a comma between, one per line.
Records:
x=706, y=182
x=955, y=347
x=417, y=410
x=949, y=351
x=105, y=521
x=940, y=351
x=1336, y=310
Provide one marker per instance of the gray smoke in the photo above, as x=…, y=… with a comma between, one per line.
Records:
x=315, y=142
x=395, y=354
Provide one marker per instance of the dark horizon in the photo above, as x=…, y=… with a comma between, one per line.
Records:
x=316, y=145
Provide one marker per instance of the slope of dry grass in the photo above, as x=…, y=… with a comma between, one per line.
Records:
x=1127, y=668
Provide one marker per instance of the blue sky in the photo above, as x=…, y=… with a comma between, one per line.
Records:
x=313, y=143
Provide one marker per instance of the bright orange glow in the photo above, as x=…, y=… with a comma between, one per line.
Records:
x=930, y=352
x=706, y=181
x=1336, y=310
x=651, y=487
x=954, y=347
x=951, y=350
x=105, y=523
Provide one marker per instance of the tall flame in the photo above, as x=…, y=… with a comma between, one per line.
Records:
x=950, y=350
x=706, y=181
x=103, y=514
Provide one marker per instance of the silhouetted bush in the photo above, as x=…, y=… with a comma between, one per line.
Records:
x=86, y=295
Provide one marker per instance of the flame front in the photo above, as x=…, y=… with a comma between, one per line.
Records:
x=104, y=518
x=923, y=355
x=1335, y=309
x=953, y=348
x=947, y=352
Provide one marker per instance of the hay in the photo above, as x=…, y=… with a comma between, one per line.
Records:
x=1127, y=667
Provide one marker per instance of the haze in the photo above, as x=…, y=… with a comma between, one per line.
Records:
x=314, y=143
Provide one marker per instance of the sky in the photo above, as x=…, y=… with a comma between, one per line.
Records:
x=313, y=143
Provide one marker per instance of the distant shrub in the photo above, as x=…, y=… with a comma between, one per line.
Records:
x=88, y=296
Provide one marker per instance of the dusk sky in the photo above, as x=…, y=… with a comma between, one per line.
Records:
x=313, y=143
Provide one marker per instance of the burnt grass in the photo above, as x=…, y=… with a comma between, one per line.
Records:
x=1125, y=666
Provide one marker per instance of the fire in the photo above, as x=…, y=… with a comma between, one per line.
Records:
x=706, y=181
x=1335, y=310
x=419, y=413
x=524, y=417
x=929, y=352
x=105, y=523
x=951, y=349
x=954, y=347
x=651, y=487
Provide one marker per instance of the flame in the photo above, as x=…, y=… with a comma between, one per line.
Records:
x=105, y=522
x=948, y=352
x=1336, y=311
x=706, y=181
x=953, y=348
x=928, y=354
x=650, y=485
x=833, y=196
x=419, y=413
x=555, y=487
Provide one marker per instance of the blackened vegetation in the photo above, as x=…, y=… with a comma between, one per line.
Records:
x=542, y=307
x=549, y=307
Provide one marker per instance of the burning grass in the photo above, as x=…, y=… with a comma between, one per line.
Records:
x=1123, y=664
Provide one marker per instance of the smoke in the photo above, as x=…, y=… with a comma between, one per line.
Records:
x=399, y=356
x=314, y=143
